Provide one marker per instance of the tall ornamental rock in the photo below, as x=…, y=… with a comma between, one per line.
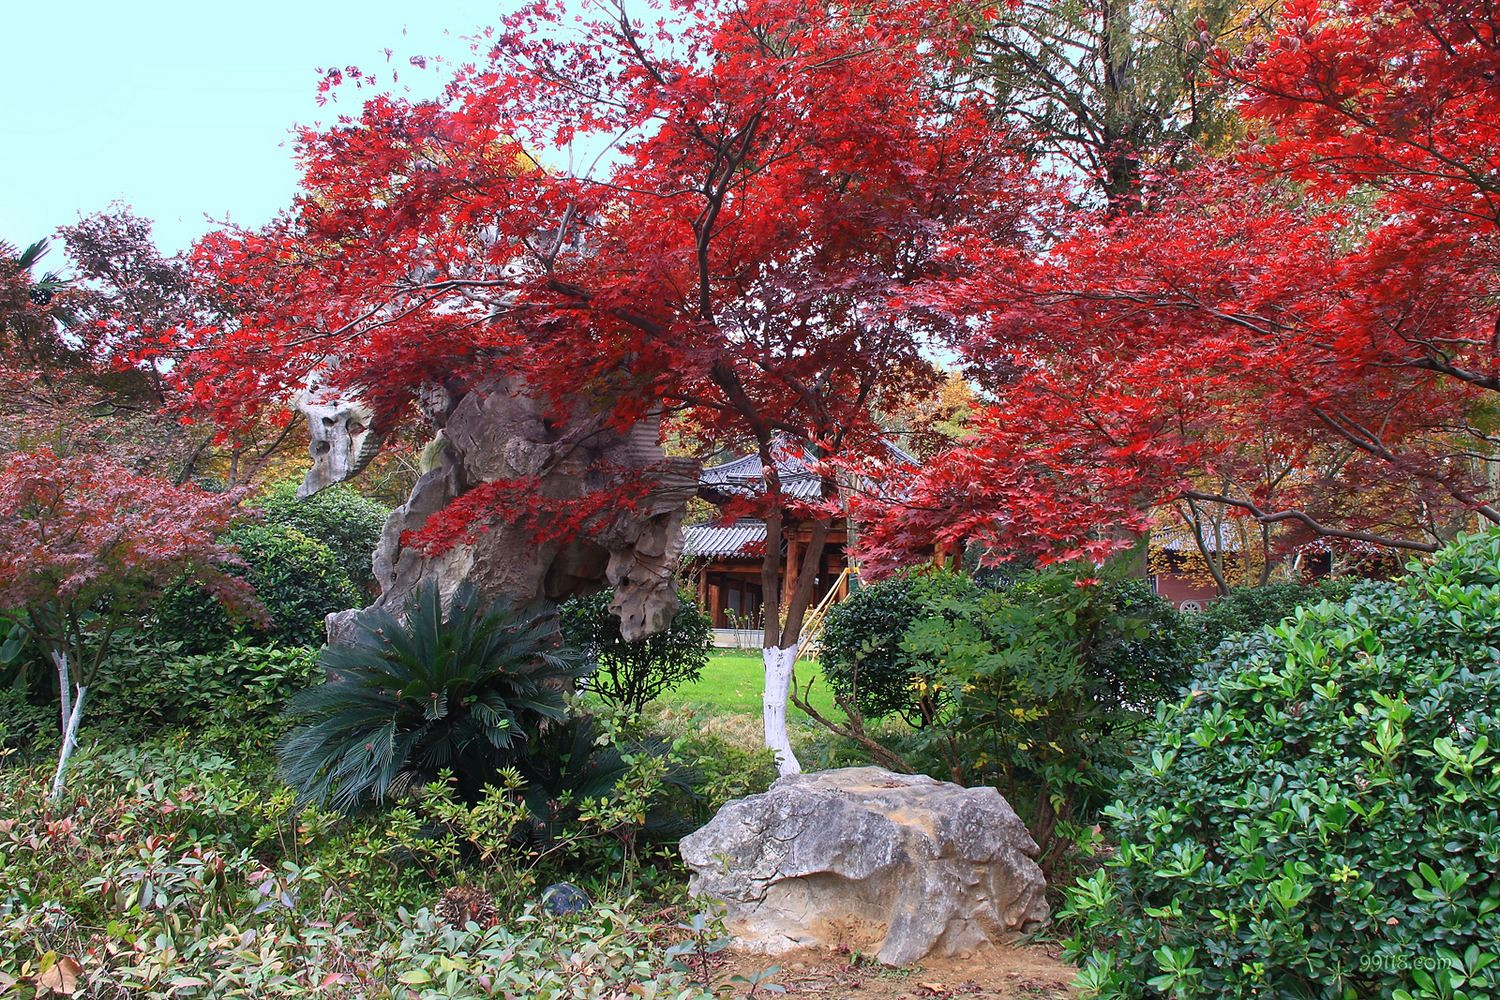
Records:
x=900, y=865
x=496, y=432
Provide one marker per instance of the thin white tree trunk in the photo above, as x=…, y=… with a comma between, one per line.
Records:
x=64, y=688
x=72, y=715
x=779, y=664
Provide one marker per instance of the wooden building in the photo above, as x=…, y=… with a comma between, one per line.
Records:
x=1178, y=570
x=724, y=561
x=725, y=567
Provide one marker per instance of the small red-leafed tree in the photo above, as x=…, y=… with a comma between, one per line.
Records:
x=72, y=376
x=1304, y=335
x=764, y=178
x=86, y=548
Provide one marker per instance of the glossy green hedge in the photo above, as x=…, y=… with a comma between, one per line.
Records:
x=296, y=577
x=1246, y=609
x=1320, y=817
x=146, y=687
x=340, y=517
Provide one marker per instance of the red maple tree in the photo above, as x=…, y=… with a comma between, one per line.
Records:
x=709, y=213
x=87, y=548
x=1304, y=334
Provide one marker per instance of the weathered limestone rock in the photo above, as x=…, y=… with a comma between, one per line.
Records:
x=900, y=865
x=494, y=432
x=343, y=440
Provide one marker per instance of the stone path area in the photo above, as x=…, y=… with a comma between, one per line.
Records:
x=1000, y=973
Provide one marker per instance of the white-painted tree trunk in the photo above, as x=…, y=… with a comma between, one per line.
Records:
x=72, y=715
x=779, y=664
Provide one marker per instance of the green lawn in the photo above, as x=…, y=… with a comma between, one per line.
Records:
x=732, y=683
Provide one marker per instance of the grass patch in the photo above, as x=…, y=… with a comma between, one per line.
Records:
x=732, y=683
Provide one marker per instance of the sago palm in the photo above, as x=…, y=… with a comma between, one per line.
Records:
x=408, y=697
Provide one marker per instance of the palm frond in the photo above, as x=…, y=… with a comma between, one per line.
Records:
x=465, y=688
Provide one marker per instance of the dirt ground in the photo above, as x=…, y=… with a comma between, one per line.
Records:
x=1002, y=972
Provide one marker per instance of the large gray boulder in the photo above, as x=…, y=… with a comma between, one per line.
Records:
x=900, y=865
x=495, y=433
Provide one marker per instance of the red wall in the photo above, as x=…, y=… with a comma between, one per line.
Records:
x=1177, y=589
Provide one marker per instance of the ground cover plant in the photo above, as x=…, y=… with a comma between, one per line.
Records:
x=1320, y=814
x=148, y=685
x=174, y=870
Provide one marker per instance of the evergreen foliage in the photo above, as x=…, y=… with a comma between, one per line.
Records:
x=463, y=690
x=630, y=675
x=1320, y=815
x=297, y=578
x=1246, y=609
x=340, y=517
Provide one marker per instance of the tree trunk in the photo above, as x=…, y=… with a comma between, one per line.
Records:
x=779, y=662
x=72, y=709
x=779, y=647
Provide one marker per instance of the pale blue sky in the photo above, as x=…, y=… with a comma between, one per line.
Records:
x=183, y=109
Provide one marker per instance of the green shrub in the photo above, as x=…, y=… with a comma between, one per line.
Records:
x=629, y=675
x=23, y=722
x=461, y=690
x=1138, y=648
x=723, y=771
x=861, y=646
x=148, y=686
x=1043, y=685
x=340, y=517
x=1320, y=817
x=296, y=577
x=26, y=710
x=1037, y=685
x=1245, y=609
x=572, y=762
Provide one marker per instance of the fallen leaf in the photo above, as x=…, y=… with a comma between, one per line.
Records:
x=62, y=977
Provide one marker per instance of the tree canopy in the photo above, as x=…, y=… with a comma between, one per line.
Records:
x=1303, y=332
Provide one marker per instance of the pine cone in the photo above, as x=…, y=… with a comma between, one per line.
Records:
x=461, y=904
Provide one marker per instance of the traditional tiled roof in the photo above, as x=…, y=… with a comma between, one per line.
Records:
x=741, y=477
x=746, y=537
x=1179, y=538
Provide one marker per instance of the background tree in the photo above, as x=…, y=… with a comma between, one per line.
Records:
x=87, y=547
x=34, y=359
x=72, y=358
x=1114, y=89
x=127, y=299
x=776, y=173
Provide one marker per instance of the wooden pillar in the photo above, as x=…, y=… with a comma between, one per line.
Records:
x=703, y=588
x=715, y=605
